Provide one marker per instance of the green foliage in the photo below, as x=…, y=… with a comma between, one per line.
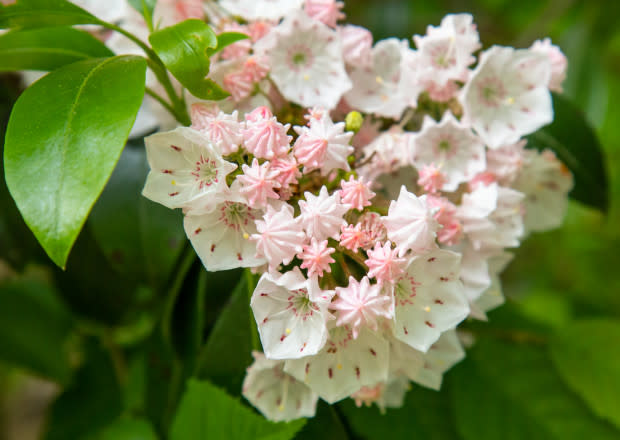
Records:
x=74, y=417
x=226, y=39
x=34, y=329
x=425, y=413
x=577, y=146
x=183, y=49
x=206, y=412
x=325, y=425
x=510, y=390
x=26, y=14
x=138, y=237
x=587, y=356
x=48, y=48
x=146, y=8
x=127, y=429
x=227, y=353
x=64, y=138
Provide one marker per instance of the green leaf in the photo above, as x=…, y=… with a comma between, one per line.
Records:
x=227, y=353
x=92, y=402
x=511, y=391
x=47, y=49
x=577, y=146
x=587, y=356
x=146, y=8
x=127, y=429
x=65, y=135
x=226, y=39
x=206, y=412
x=34, y=330
x=325, y=425
x=43, y=13
x=183, y=49
x=139, y=238
x=425, y=412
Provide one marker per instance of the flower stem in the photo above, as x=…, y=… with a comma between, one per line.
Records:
x=249, y=282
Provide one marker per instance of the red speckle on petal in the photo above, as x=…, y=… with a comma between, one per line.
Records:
x=405, y=330
x=357, y=372
x=265, y=320
x=174, y=194
x=430, y=260
x=444, y=278
x=239, y=257
x=166, y=171
x=374, y=353
x=429, y=324
x=264, y=294
x=175, y=148
x=282, y=338
x=307, y=368
x=330, y=373
x=198, y=231
x=212, y=247
x=438, y=301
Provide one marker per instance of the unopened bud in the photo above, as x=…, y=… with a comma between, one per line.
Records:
x=354, y=121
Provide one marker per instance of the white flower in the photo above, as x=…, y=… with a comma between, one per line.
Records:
x=507, y=95
x=386, y=154
x=492, y=216
x=410, y=223
x=443, y=355
x=383, y=87
x=322, y=216
x=344, y=365
x=261, y=9
x=493, y=296
x=306, y=61
x=456, y=151
x=279, y=396
x=546, y=182
x=559, y=63
x=187, y=170
x=291, y=313
x=429, y=299
x=446, y=51
x=220, y=236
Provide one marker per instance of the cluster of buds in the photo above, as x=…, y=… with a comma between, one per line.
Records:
x=373, y=239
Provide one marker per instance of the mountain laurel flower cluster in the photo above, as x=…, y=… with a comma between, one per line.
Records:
x=374, y=187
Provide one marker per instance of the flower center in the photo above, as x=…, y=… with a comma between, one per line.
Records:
x=405, y=290
x=299, y=57
x=206, y=172
x=236, y=215
x=301, y=304
x=491, y=92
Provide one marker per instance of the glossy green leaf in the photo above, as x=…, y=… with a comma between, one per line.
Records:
x=510, y=390
x=575, y=143
x=34, y=330
x=425, y=412
x=65, y=135
x=140, y=238
x=227, y=353
x=587, y=356
x=183, y=49
x=127, y=429
x=90, y=403
x=43, y=13
x=206, y=412
x=226, y=39
x=47, y=49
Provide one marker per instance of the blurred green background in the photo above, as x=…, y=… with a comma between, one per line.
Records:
x=557, y=276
